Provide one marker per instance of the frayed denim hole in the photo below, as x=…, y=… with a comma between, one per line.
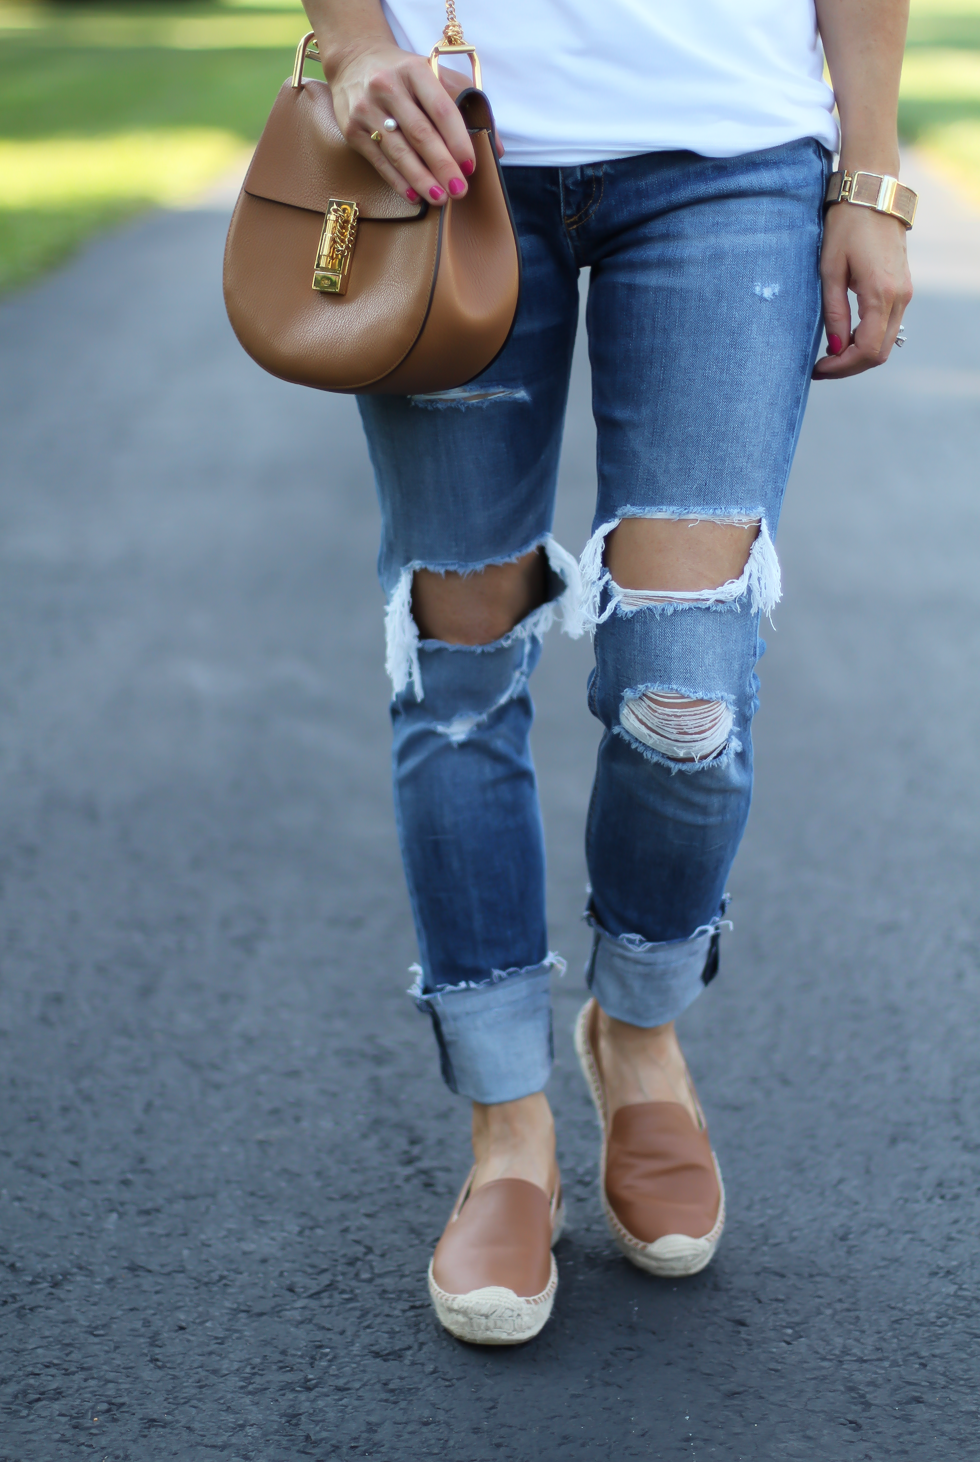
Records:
x=759, y=584
x=682, y=728
x=715, y=763
x=462, y=398
x=690, y=692
x=402, y=640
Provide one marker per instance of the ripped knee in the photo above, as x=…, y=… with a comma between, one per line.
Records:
x=655, y=566
x=480, y=607
x=679, y=555
x=681, y=562
x=677, y=727
x=425, y=603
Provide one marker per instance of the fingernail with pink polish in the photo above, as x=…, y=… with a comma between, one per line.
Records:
x=834, y=345
x=435, y=193
x=456, y=186
x=468, y=167
x=411, y=195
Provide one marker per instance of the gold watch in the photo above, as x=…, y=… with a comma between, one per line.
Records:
x=873, y=190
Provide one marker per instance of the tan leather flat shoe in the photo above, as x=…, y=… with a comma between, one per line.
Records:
x=659, y=1180
x=493, y=1276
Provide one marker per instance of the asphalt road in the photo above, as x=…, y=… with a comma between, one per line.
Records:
x=226, y=1154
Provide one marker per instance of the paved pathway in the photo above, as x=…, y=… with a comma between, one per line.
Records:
x=224, y=1152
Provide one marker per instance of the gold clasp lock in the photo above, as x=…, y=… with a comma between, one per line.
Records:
x=336, y=246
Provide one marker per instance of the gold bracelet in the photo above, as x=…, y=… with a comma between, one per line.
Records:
x=873, y=190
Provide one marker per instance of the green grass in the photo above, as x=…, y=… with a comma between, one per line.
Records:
x=940, y=100
x=110, y=108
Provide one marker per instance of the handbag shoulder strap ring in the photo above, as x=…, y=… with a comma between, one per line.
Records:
x=453, y=43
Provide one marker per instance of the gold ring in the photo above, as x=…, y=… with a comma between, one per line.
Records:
x=375, y=136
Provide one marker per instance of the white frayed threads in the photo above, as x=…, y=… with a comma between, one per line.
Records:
x=552, y=961
x=766, y=291
x=570, y=603
x=760, y=581
x=402, y=638
x=676, y=726
x=595, y=576
x=765, y=582
x=418, y=992
x=461, y=727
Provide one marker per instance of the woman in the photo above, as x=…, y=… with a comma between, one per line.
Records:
x=682, y=154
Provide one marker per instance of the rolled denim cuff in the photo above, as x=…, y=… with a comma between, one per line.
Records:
x=650, y=984
x=495, y=1039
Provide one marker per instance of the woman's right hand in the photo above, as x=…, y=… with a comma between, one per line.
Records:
x=430, y=155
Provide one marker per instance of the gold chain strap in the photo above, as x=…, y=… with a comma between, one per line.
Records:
x=453, y=33
x=453, y=43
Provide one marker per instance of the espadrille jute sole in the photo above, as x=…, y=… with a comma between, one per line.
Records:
x=497, y=1316
x=675, y=1255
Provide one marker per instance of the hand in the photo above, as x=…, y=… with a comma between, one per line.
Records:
x=431, y=154
x=863, y=251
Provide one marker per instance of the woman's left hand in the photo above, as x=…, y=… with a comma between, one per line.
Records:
x=865, y=252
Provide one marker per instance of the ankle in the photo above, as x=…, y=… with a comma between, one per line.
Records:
x=642, y=1064
x=657, y=1041
x=515, y=1140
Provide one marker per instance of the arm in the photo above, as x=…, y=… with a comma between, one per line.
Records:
x=370, y=79
x=864, y=41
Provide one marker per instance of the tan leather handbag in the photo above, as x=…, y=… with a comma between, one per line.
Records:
x=334, y=280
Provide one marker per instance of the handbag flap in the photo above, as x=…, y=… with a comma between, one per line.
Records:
x=303, y=160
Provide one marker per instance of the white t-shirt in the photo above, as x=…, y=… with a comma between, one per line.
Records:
x=578, y=81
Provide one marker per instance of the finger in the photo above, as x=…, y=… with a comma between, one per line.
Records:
x=869, y=337
x=392, y=155
x=372, y=151
x=899, y=306
x=836, y=309
x=438, y=103
x=894, y=325
x=420, y=156
x=431, y=125
x=455, y=82
x=870, y=342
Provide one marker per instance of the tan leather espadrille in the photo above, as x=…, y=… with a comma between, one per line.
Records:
x=493, y=1276
x=659, y=1180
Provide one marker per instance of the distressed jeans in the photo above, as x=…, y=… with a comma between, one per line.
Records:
x=704, y=317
